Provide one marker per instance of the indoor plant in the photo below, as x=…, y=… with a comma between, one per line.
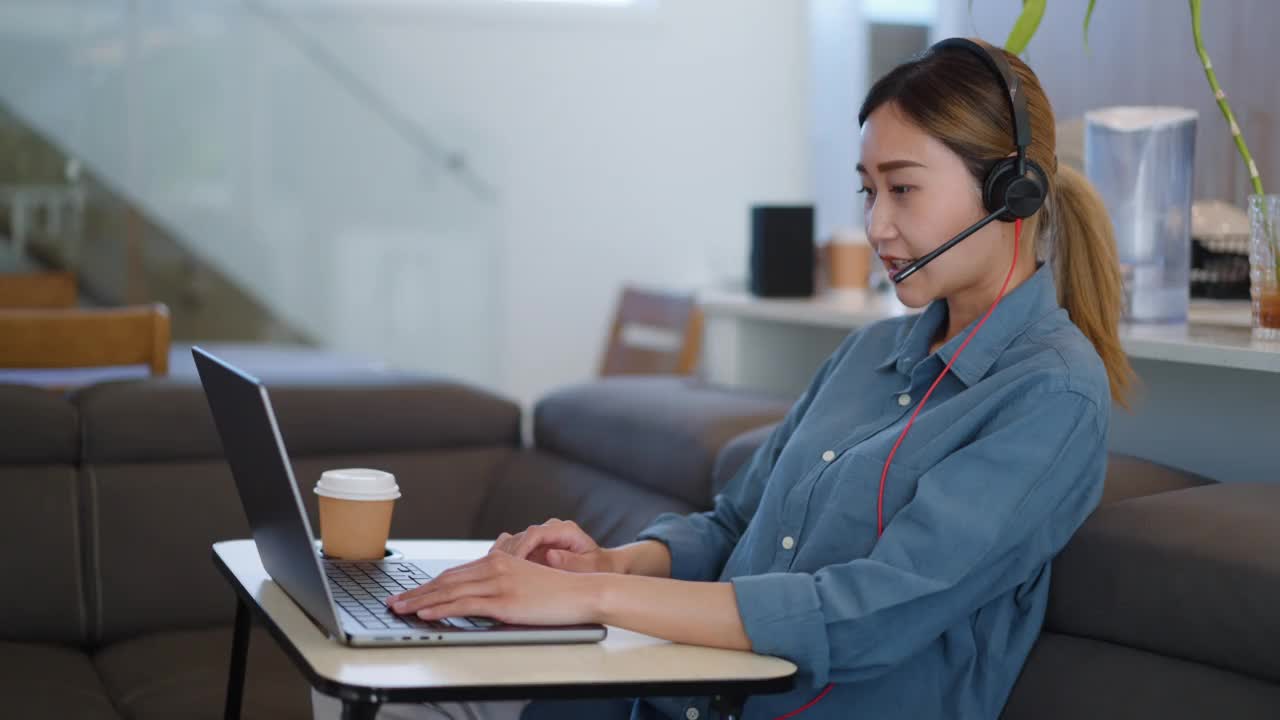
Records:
x=1264, y=210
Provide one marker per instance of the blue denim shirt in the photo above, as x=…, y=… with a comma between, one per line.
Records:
x=935, y=618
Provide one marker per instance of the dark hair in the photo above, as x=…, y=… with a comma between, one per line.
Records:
x=953, y=96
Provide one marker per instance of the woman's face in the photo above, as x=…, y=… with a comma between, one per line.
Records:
x=919, y=194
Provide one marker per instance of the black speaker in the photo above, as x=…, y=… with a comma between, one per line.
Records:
x=782, y=252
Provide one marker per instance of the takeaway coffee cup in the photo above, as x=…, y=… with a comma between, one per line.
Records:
x=848, y=261
x=355, y=512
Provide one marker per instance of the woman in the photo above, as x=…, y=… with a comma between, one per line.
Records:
x=920, y=598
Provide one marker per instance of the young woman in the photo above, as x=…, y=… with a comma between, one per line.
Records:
x=906, y=575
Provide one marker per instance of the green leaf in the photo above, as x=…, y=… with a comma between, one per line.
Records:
x=1088, y=15
x=1025, y=27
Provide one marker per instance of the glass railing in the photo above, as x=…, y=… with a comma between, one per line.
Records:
x=56, y=214
x=239, y=159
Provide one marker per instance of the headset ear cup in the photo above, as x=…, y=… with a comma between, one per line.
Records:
x=1021, y=194
x=995, y=189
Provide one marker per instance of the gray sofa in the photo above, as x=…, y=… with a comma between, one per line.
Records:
x=1163, y=606
x=113, y=496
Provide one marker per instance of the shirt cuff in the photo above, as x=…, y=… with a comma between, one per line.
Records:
x=690, y=556
x=782, y=616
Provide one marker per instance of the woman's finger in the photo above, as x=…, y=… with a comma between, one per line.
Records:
x=470, y=572
x=528, y=540
x=539, y=555
x=563, y=535
x=470, y=606
x=503, y=543
x=484, y=588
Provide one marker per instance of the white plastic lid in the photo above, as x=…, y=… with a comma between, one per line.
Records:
x=358, y=484
x=849, y=236
x=1129, y=118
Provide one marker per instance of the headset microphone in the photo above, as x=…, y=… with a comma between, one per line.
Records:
x=909, y=270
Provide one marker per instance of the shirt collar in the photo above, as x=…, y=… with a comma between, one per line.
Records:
x=1021, y=307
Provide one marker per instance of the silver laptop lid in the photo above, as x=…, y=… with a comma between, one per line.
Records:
x=264, y=477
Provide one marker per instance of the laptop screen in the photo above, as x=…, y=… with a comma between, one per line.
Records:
x=255, y=451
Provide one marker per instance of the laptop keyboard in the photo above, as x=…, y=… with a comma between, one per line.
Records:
x=361, y=588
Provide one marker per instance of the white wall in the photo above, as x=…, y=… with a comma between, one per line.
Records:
x=621, y=146
x=630, y=145
x=839, y=61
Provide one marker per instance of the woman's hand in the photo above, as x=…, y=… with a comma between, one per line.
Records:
x=560, y=544
x=506, y=588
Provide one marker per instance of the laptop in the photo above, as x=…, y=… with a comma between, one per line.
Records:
x=346, y=599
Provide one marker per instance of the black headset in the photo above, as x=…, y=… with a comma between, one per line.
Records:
x=1014, y=187
x=1017, y=184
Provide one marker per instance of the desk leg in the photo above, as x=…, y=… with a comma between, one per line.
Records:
x=239, y=658
x=729, y=706
x=354, y=710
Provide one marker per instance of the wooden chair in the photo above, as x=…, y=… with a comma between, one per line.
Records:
x=38, y=290
x=653, y=333
x=86, y=338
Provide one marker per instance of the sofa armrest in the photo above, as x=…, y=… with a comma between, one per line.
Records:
x=1189, y=573
x=662, y=433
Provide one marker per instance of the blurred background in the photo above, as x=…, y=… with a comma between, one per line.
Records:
x=464, y=187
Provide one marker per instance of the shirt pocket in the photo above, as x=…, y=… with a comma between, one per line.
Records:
x=857, y=491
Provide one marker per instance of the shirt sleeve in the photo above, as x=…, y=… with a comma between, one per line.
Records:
x=700, y=543
x=982, y=522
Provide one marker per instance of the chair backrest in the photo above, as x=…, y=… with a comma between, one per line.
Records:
x=653, y=333
x=86, y=337
x=38, y=290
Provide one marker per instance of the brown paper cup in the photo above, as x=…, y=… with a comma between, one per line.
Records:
x=355, y=529
x=849, y=263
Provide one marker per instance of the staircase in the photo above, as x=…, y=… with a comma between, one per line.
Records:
x=236, y=168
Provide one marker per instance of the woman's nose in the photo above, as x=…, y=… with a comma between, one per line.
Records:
x=879, y=224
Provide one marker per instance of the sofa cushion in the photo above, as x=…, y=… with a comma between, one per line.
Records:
x=47, y=682
x=658, y=432
x=1068, y=678
x=735, y=454
x=184, y=675
x=169, y=419
x=1129, y=476
x=537, y=486
x=37, y=426
x=156, y=522
x=1192, y=574
x=40, y=553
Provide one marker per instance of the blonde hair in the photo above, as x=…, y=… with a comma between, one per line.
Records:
x=954, y=97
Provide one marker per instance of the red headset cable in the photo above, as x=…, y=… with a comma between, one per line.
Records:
x=884, y=474
x=1017, y=237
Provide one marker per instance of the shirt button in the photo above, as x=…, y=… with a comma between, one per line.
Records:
x=691, y=713
x=904, y=399
x=828, y=456
x=788, y=542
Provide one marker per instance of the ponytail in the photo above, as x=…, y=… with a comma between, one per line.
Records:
x=1088, y=272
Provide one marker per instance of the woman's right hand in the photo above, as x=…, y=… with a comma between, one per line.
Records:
x=560, y=544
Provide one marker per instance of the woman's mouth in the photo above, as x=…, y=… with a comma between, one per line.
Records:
x=894, y=264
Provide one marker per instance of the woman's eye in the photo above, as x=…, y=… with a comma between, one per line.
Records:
x=899, y=189
x=864, y=190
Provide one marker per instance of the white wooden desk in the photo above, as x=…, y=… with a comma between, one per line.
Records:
x=626, y=664
x=1205, y=402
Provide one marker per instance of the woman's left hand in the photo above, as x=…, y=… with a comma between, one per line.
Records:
x=504, y=588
